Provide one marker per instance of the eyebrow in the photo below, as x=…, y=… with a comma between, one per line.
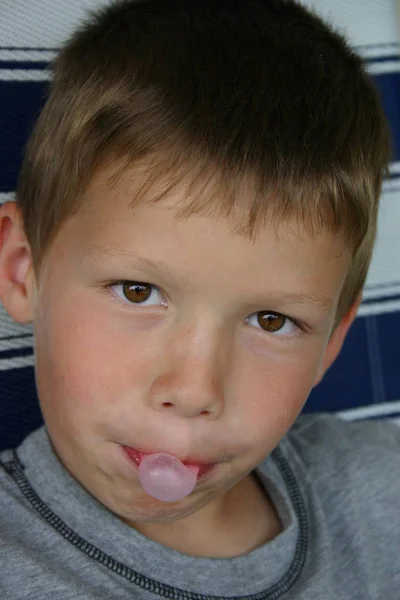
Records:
x=138, y=262
x=319, y=300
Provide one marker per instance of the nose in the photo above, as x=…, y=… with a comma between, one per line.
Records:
x=191, y=380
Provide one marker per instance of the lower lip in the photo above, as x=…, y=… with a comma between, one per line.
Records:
x=135, y=457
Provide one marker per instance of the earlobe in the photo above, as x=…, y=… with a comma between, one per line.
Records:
x=337, y=339
x=16, y=270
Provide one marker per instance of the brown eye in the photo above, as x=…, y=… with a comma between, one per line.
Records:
x=139, y=293
x=271, y=322
x=136, y=292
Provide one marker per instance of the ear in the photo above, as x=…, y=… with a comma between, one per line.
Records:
x=336, y=340
x=17, y=280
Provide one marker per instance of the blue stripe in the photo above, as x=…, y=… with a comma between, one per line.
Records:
x=16, y=352
x=351, y=382
x=382, y=59
x=19, y=407
x=380, y=299
x=20, y=105
x=388, y=85
x=20, y=64
x=30, y=48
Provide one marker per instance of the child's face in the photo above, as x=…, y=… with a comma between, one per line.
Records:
x=195, y=369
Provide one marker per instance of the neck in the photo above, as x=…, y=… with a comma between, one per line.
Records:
x=240, y=521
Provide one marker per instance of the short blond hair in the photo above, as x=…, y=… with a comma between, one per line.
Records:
x=221, y=94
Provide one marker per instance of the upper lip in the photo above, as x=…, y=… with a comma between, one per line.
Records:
x=186, y=461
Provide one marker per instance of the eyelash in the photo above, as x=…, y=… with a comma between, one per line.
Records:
x=301, y=327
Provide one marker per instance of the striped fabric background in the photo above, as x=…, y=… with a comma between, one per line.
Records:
x=365, y=380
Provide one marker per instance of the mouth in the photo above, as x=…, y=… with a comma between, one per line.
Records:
x=136, y=457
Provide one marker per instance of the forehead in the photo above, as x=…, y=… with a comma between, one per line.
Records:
x=197, y=186
x=201, y=248
x=193, y=190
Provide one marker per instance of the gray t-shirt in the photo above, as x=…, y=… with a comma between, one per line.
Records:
x=335, y=485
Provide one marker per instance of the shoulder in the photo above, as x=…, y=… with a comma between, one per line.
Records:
x=9, y=492
x=327, y=434
x=348, y=475
x=349, y=454
x=14, y=505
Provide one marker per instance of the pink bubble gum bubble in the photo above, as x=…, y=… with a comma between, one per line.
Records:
x=164, y=477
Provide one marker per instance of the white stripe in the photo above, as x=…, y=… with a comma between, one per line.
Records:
x=8, y=327
x=6, y=196
x=17, y=363
x=390, y=66
x=390, y=184
x=385, y=409
x=13, y=344
x=27, y=55
x=18, y=54
x=379, y=51
x=395, y=167
x=24, y=75
x=379, y=308
x=380, y=292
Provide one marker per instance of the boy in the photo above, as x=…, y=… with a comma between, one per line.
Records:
x=195, y=219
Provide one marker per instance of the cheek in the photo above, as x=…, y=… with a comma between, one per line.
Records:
x=272, y=395
x=82, y=363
